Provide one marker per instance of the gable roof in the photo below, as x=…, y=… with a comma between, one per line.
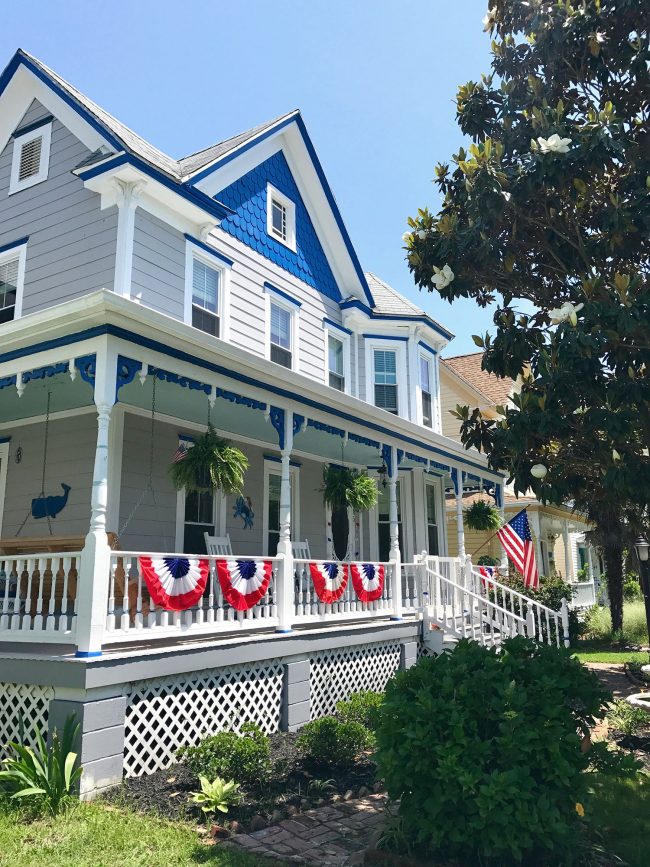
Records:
x=391, y=303
x=468, y=367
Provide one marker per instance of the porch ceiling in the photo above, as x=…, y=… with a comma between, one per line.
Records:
x=228, y=417
x=66, y=395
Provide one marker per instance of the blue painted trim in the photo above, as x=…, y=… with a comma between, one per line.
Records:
x=297, y=119
x=209, y=250
x=20, y=58
x=12, y=244
x=5, y=439
x=180, y=355
x=30, y=127
x=355, y=303
x=284, y=631
x=333, y=324
x=88, y=654
x=384, y=337
x=277, y=417
x=276, y=460
x=196, y=197
x=426, y=346
x=269, y=287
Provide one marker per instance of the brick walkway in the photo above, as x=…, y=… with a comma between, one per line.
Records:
x=614, y=678
x=331, y=836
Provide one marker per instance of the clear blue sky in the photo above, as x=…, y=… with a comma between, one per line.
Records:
x=374, y=79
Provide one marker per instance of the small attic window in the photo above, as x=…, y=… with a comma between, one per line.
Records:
x=31, y=157
x=281, y=217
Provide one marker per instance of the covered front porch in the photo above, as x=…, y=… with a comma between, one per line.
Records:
x=88, y=429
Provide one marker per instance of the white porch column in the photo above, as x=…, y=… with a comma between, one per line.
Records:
x=536, y=526
x=590, y=563
x=420, y=516
x=460, y=528
x=394, y=555
x=92, y=581
x=567, y=551
x=285, y=578
x=128, y=195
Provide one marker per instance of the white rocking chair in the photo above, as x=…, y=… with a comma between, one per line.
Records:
x=300, y=550
x=218, y=546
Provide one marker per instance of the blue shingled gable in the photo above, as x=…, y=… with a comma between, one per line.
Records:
x=247, y=198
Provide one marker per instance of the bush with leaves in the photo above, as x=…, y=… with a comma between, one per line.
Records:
x=631, y=588
x=45, y=775
x=487, y=752
x=362, y=707
x=331, y=741
x=217, y=795
x=244, y=758
x=628, y=718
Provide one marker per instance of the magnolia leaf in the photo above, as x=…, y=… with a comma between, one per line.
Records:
x=580, y=186
x=478, y=340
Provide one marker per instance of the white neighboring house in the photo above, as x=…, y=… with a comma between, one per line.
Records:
x=140, y=297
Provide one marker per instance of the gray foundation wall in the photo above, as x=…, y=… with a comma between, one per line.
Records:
x=135, y=709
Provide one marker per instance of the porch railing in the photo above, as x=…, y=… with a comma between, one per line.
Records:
x=132, y=613
x=308, y=607
x=38, y=597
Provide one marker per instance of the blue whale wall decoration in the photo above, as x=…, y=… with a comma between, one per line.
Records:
x=43, y=507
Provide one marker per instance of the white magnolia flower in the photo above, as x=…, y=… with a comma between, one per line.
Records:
x=406, y=237
x=421, y=233
x=539, y=471
x=554, y=144
x=488, y=20
x=442, y=276
x=615, y=455
x=567, y=312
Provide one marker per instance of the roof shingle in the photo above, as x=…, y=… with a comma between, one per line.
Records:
x=468, y=367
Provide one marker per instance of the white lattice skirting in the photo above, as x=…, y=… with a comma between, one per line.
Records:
x=165, y=713
x=336, y=674
x=32, y=703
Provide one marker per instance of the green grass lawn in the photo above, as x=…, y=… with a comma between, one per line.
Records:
x=90, y=835
x=587, y=652
x=620, y=811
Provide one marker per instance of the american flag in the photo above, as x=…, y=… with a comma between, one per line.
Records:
x=180, y=452
x=518, y=544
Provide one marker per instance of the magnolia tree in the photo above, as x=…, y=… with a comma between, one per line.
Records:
x=546, y=216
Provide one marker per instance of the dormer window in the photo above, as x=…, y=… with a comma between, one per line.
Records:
x=281, y=217
x=31, y=157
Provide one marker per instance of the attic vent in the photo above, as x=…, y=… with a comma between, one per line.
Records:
x=30, y=158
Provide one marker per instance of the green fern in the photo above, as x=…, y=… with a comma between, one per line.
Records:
x=345, y=487
x=482, y=516
x=211, y=464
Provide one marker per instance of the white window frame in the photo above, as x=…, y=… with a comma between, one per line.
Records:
x=43, y=132
x=399, y=347
x=219, y=511
x=293, y=308
x=290, y=210
x=274, y=468
x=344, y=338
x=404, y=480
x=192, y=252
x=17, y=251
x=436, y=483
x=423, y=355
x=4, y=462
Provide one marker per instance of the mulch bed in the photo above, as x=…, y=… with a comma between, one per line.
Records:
x=294, y=787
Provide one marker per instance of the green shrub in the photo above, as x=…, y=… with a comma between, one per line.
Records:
x=244, y=758
x=627, y=718
x=217, y=795
x=330, y=741
x=631, y=588
x=46, y=774
x=484, y=750
x=362, y=707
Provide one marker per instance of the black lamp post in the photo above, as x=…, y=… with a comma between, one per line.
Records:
x=642, y=548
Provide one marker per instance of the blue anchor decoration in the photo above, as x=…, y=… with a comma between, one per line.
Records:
x=243, y=509
x=49, y=507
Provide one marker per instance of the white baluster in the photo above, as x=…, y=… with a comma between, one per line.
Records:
x=110, y=612
x=152, y=618
x=124, y=619
x=4, y=571
x=26, y=624
x=137, y=620
x=40, y=606
x=211, y=580
x=63, y=615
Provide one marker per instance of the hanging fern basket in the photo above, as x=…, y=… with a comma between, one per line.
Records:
x=211, y=464
x=343, y=489
x=482, y=516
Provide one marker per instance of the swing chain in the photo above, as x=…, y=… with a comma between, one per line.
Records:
x=43, y=473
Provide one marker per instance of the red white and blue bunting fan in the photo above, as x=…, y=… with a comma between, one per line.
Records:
x=330, y=580
x=175, y=583
x=244, y=582
x=368, y=580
